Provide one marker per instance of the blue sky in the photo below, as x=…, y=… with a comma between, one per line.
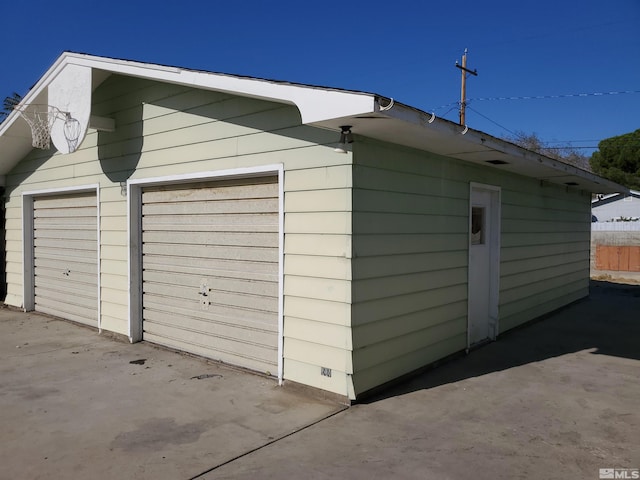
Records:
x=401, y=49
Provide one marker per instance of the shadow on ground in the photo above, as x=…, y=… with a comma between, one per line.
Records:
x=600, y=324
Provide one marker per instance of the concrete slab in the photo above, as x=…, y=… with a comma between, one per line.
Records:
x=557, y=399
x=75, y=404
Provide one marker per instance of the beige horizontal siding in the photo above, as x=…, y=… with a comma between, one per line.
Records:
x=382, y=372
x=338, y=268
x=407, y=283
x=325, y=223
x=410, y=245
x=402, y=264
x=384, y=308
x=410, y=221
x=325, y=311
x=312, y=331
x=332, y=200
x=545, y=254
x=164, y=130
x=545, y=301
x=112, y=295
x=330, y=177
x=114, y=322
x=115, y=267
x=318, y=288
x=370, y=333
x=338, y=359
x=309, y=374
x=318, y=244
x=395, y=244
x=519, y=253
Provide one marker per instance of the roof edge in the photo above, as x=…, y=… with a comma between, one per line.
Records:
x=476, y=137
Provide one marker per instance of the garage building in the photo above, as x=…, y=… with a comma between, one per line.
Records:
x=331, y=238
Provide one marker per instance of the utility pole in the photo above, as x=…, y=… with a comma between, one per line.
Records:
x=463, y=89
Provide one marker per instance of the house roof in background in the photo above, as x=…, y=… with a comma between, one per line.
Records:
x=614, y=197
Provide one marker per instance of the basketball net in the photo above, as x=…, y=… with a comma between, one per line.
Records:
x=41, y=119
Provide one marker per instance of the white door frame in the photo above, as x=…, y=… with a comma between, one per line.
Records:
x=29, y=294
x=494, y=260
x=134, y=209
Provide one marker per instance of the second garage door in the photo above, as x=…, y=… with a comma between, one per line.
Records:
x=65, y=256
x=210, y=270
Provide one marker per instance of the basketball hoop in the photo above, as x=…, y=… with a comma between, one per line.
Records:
x=42, y=117
x=71, y=130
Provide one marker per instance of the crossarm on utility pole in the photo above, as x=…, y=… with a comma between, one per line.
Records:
x=463, y=88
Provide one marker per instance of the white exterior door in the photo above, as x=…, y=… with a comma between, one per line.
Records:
x=484, y=263
x=210, y=269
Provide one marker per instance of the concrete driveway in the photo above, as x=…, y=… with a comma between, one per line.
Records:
x=78, y=405
x=556, y=399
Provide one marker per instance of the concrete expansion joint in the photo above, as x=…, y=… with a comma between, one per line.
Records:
x=271, y=442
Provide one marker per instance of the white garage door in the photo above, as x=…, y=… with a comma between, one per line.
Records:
x=210, y=270
x=65, y=256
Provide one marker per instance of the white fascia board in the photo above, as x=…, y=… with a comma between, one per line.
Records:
x=315, y=104
x=468, y=135
x=33, y=96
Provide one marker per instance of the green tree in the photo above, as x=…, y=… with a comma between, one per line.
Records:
x=9, y=104
x=618, y=159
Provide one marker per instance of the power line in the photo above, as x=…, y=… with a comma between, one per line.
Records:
x=543, y=97
x=546, y=146
x=494, y=122
x=567, y=95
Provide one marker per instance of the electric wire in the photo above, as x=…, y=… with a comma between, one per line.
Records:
x=494, y=122
x=453, y=105
x=540, y=97
x=566, y=95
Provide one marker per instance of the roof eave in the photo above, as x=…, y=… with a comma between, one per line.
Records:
x=401, y=124
x=326, y=108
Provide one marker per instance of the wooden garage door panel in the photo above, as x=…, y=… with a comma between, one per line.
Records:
x=81, y=251
x=233, y=356
x=214, y=251
x=59, y=221
x=248, y=285
x=64, y=310
x=214, y=207
x=65, y=256
x=254, y=302
x=204, y=266
x=237, y=188
x=222, y=313
x=67, y=295
x=244, y=239
x=61, y=213
x=260, y=222
x=76, y=281
x=247, y=345
x=221, y=237
x=229, y=330
x=58, y=265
